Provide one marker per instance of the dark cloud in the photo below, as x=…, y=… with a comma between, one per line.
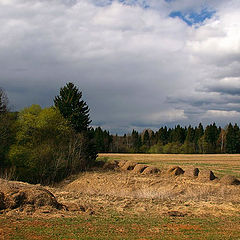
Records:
x=137, y=67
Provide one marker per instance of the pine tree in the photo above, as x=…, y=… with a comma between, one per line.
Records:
x=136, y=141
x=72, y=107
x=146, y=138
x=230, y=140
x=178, y=134
x=237, y=137
x=76, y=111
x=189, y=141
x=211, y=136
x=199, y=132
x=190, y=134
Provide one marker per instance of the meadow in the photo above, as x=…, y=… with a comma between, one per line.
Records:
x=123, y=205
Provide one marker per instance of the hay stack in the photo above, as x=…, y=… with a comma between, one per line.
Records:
x=139, y=168
x=176, y=171
x=206, y=175
x=229, y=180
x=121, y=163
x=193, y=172
x=129, y=166
x=18, y=195
x=111, y=165
x=151, y=170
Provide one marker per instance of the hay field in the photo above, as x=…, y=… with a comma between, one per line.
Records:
x=122, y=204
x=221, y=164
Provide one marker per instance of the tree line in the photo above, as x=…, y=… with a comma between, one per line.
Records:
x=45, y=145
x=187, y=140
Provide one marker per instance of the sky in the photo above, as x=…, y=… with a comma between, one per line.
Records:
x=139, y=63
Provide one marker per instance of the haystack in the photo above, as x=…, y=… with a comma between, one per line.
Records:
x=129, y=166
x=151, y=170
x=139, y=168
x=176, y=171
x=192, y=172
x=111, y=165
x=206, y=175
x=229, y=180
x=19, y=195
x=121, y=163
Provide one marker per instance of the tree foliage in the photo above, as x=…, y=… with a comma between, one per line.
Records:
x=7, y=130
x=72, y=107
x=47, y=148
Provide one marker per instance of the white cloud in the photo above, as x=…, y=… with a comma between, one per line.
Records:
x=221, y=113
x=172, y=115
x=127, y=59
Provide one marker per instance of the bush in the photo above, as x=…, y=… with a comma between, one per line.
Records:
x=47, y=149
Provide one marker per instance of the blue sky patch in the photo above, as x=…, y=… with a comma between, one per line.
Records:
x=192, y=18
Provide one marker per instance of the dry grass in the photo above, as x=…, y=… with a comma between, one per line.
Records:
x=155, y=194
x=135, y=196
x=220, y=164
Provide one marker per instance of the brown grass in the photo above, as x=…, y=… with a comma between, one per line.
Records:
x=155, y=194
x=160, y=196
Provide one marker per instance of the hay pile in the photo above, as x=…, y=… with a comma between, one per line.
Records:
x=229, y=180
x=17, y=195
x=111, y=165
x=121, y=163
x=139, y=168
x=129, y=166
x=176, y=171
x=206, y=175
x=192, y=172
x=151, y=170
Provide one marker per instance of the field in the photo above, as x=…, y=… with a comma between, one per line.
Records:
x=221, y=164
x=122, y=205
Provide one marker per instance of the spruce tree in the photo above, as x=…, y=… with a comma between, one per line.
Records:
x=211, y=136
x=146, y=138
x=237, y=137
x=75, y=110
x=72, y=107
x=230, y=140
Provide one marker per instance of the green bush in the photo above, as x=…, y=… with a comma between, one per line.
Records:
x=47, y=149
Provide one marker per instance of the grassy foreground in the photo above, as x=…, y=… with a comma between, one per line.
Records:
x=115, y=226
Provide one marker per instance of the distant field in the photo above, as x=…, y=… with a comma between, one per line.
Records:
x=221, y=164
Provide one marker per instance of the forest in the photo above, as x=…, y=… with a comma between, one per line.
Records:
x=45, y=145
x=186, y=140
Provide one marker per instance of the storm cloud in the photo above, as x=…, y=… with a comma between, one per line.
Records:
x=137, y=64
